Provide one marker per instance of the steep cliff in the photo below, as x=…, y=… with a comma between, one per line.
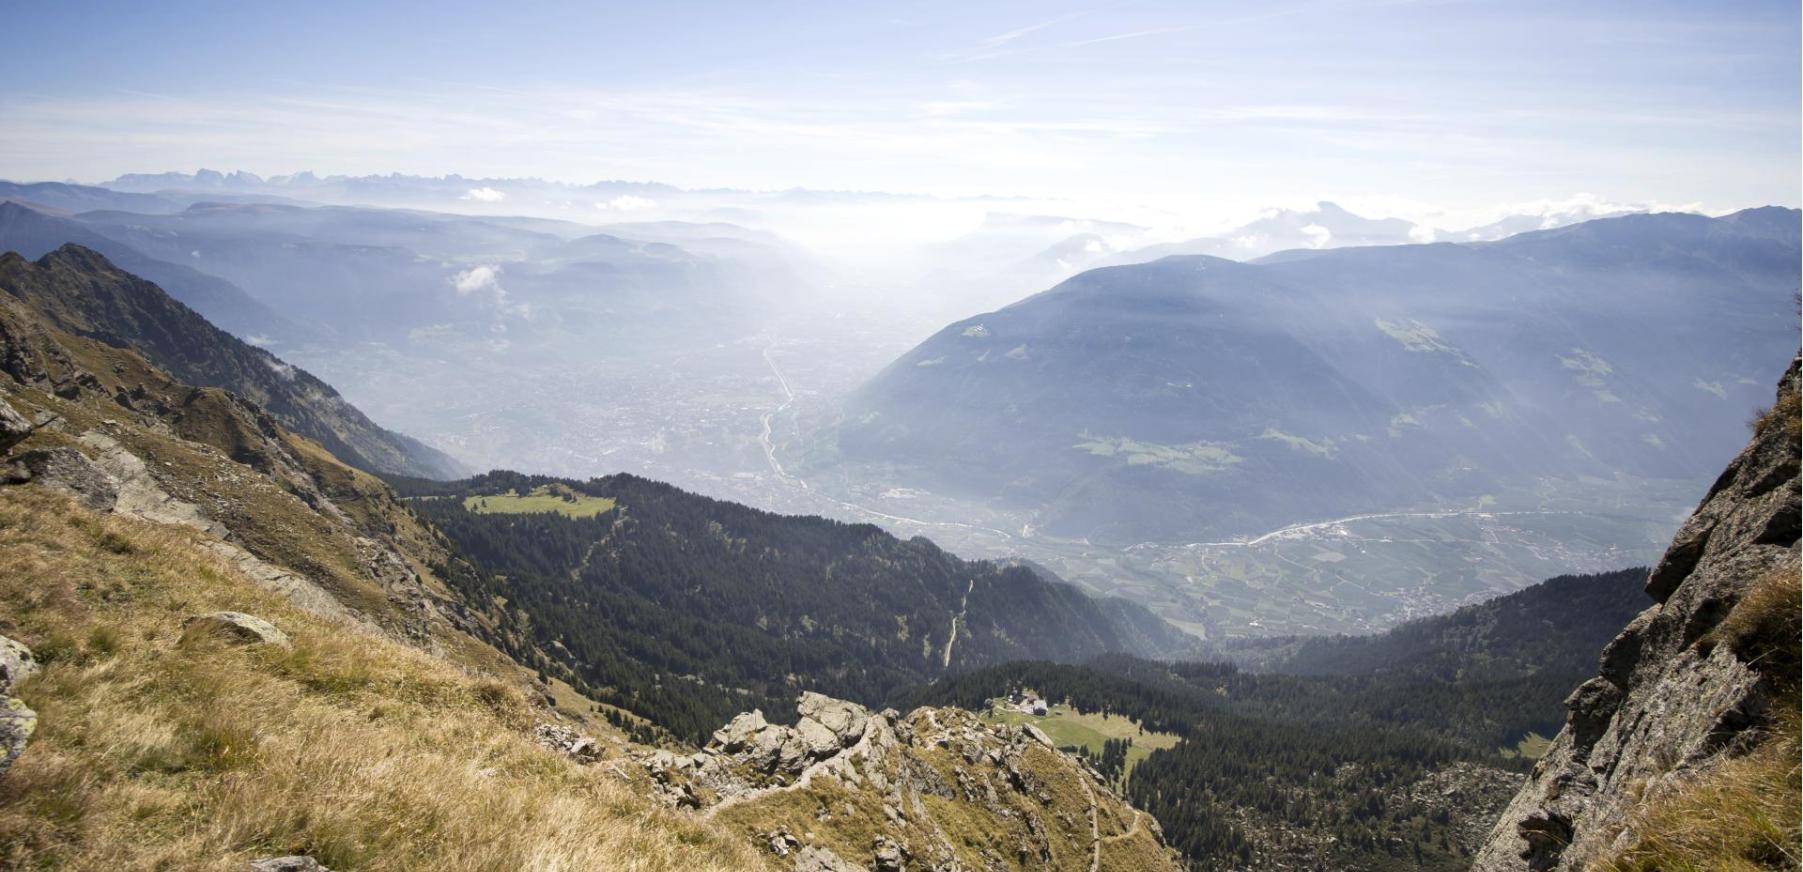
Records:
x=1696, y=689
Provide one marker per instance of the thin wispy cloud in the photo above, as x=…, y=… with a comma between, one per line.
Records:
x=1001, y=39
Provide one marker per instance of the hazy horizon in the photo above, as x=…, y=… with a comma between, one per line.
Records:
x=1448, y=114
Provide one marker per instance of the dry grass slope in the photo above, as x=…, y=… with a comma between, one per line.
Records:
x=368, y=754
x=1742, y=816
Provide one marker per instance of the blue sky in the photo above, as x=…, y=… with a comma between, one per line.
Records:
x=1453, y=107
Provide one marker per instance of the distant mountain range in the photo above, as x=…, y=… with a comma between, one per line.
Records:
x=1198, y=397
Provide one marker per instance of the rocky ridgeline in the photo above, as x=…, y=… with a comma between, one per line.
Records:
x=846, y=788
x=1671, y=700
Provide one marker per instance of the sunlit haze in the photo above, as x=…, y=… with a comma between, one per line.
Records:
x=1187, y=114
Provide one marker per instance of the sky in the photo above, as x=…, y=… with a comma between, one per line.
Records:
x=1422, y=109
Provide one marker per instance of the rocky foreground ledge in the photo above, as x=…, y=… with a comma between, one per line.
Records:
x=850, y=789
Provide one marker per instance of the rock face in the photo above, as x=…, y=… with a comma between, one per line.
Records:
x=1668, y=702
x=17, y=721
x=13, y=427
x=69, y=470
x=850, y=789
x=235, y=627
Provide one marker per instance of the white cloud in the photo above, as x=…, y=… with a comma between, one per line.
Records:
x=1318, y=236
x=486, y=279
x=477, y=278
x=484, y=195
x=1421, y=233
x=626, y=203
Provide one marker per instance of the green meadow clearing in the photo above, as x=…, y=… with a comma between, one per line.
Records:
x=541, y=499
x=1068, y=727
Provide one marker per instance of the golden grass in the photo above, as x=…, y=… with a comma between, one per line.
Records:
x=1744, y=813
x=1764, y=627
x=365, y=753
x=1787, y=412
x=1740, y=816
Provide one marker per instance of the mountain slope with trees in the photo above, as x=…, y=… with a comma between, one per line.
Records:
x=687, y=609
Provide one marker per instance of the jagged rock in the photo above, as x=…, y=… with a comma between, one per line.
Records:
x=1667, y=704
x=844, y=719
x=14, y=427
x=888, y=856
x=569, y=742
x=782, y=843
x=66, y=469
x=16, y=662
x=17, y=720
x=235, y=627
x=294, y=863
x=816, y=739
x=812, y=859
x=17, y=723
x=1038, y=735
x=740, y=731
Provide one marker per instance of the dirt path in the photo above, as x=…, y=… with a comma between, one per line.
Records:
x=1095, y=832
x=1131, y=831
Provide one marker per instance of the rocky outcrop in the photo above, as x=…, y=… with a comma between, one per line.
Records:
x=847, y=788
x=235, y=627
x=17, y=720
x=1669, y=703
x=568, y=742
x=14, y=427
x=67, y=470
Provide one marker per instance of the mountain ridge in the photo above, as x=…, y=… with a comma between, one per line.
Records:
x=80, y=291
x=1357, y=374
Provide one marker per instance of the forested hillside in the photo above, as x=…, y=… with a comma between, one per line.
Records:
x=688, y=610
x=1560, y=623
